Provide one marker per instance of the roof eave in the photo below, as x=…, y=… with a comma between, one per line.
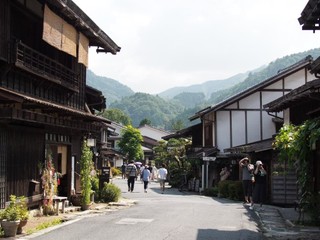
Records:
x=83, y=23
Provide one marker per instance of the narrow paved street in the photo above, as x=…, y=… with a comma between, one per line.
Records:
x=172, y=215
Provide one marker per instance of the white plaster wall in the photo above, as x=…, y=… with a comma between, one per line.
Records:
x=252, y=101
x=268, y=126
x=253, y=126
x=232, y=106
x=223, y=130
x=238, y=128
x=294, y=80
x=270, y=96
x=310, y=77
x=276, y=85
x=280, y=114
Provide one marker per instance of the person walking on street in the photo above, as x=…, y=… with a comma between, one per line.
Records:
x=151, y=172
x=247, y=179
x=162, y=176
x=123, y=171
x=260, y=176
x=145, y=176
x=140, y=172
x=131, y=172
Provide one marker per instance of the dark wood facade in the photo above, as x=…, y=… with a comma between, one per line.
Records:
x=44, y=101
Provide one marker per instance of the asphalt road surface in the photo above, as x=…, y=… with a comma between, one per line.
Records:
x=156, y=216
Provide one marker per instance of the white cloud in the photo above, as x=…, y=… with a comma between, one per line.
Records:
x=172, y=43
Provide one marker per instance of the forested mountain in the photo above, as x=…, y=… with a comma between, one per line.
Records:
x=190, y=99
x=206, y=88
x=146, y=106
x=162, y=112
x=111, y=89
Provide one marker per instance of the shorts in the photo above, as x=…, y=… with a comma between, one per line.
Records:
x=162, y=181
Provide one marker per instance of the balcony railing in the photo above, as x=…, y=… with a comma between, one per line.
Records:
x=37, y=63
x=40, y=118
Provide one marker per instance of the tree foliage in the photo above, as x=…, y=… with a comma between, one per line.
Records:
x=190, y=99
x=173, y=154
x=145, y=106
x=117, y=116
x=145, y=121
x=130, y=143
x=112, y=89
x=177, y=125
x=295, y=144
x=86, y=165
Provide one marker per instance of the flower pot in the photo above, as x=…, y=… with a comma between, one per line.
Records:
x=10, y=227
x=21, y=225
x=85, y=207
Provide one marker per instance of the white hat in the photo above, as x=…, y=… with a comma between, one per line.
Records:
x=258, y=163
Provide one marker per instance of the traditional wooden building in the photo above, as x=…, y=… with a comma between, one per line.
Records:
x=241, y=126
x=300, y=105
x=303, y=103
x=45, y=105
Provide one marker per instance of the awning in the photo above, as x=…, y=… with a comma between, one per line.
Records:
x=204, y=151
x=251, y=147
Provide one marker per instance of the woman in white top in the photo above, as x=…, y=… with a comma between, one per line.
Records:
x=162, y=176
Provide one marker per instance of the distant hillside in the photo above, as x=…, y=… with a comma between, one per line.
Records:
x=154, y=108
x=206, y=88
x=178, y=103
x=189, y=99
x=111, y=89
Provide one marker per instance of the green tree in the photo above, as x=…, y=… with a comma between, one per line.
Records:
x=145, y=121
x=295, y=145
x=160, y=152
x=117, y=116
x=173, y=154
x=177, y=125
x=130, y=143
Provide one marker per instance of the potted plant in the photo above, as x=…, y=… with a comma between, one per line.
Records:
x=23, y=211
x=85, y=176
x=49, y=184
x=11, y=218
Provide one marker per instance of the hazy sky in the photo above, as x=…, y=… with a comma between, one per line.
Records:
x=170, y=43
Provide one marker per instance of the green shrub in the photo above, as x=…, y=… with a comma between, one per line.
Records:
x=95, y=184
x=115, y=171
x=211, y=192
x=110, y=193
x=223, y=187
x=238, y=190
x=312, y=207
x=231, y=189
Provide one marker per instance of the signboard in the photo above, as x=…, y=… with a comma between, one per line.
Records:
x=209, y=158
x=104, y=177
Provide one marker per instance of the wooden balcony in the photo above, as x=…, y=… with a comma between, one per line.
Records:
x=40, y=118
x=38, y=64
